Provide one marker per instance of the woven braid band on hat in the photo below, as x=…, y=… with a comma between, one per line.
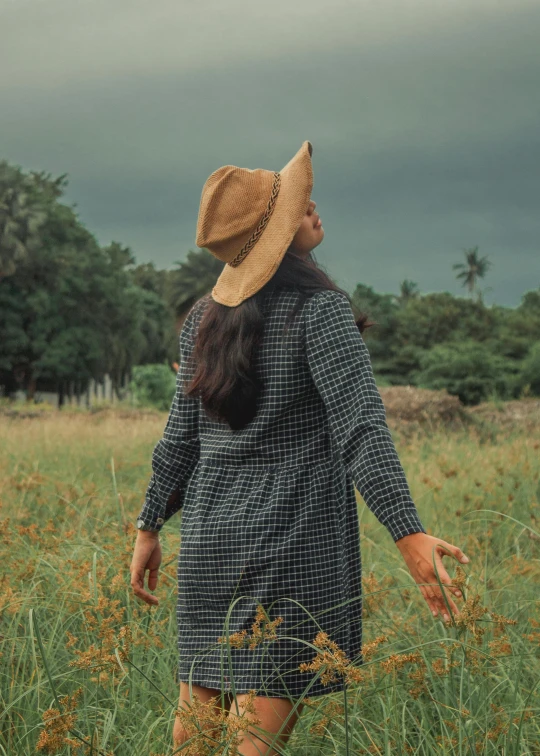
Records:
x=262, y=223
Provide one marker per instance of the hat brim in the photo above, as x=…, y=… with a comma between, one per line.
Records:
x=234, y=285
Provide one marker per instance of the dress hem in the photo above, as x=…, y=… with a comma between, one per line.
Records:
x=267, y=692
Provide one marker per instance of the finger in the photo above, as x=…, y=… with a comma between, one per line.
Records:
x=431, y=593
x=137, y=583
x=431, y=604
x=455, y=552
x=444, y=577
x=447, y=587
x=435, y=593
x=444, y=608
x=431, y=597
x=434, y=609
x=147, y=597
x=153, y=579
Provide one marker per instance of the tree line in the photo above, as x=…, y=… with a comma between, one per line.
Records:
x=72, y=310
x=440, y=341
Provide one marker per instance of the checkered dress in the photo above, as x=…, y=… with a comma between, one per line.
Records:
x=269, y=513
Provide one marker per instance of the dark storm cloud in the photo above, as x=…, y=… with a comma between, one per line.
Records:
x=424, y=119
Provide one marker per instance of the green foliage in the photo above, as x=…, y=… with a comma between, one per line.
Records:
x=408, y=290
x=153, y=386
x=157, y=327
x=469, y=370
x=383, y=310
x=408, y=327
x=21, y=216
x=146, y=276
x=519, y=328
x=402, y=344
x=402, y=364
x=193, y=279
x=473, y=269
x=530, y=370
x=440, y=317
x=71, y=310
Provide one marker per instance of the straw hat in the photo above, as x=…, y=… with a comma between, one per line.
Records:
x=248, y=219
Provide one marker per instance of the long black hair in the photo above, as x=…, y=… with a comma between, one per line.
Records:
x=227, y=338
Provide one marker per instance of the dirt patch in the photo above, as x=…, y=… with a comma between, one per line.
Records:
x=410, y=406
x=522, y=412
x=406, y=406
x=422, y=406
x=20, y=411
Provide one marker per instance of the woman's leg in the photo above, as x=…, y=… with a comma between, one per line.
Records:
x=180, y=735
x=272, y=713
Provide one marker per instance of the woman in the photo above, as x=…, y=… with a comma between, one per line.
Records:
x=275, y=420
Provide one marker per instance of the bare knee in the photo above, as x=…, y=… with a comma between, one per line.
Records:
x=266, y=722
x=200, y=715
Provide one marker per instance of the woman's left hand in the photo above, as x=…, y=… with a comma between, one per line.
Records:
x=146, y=556
x=417, y=550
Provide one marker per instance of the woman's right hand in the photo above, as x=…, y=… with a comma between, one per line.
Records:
x=146, y=556
x=417, y=550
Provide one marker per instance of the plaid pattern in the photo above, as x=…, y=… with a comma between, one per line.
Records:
x=269, y=513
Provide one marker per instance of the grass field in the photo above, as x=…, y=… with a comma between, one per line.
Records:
x=74, y=639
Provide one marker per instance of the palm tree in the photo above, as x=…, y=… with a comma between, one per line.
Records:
x=20, y=218
x=408, y=290
x=473, y=269
x=195, y=277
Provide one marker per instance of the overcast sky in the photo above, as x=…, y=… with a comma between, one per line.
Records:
x=424, y=117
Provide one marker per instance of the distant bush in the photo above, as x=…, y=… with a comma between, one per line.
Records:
x=23, y=408
x=530, y=369
x=400, y=367
x=153, y=386
x=469, y=370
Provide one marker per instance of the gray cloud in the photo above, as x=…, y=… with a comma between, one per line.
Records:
x=424, y=119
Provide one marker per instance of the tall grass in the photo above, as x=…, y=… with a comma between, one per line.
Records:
x=86, y=668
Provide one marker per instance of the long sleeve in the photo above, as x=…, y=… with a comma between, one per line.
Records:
x=340, y=365
x=177, y=452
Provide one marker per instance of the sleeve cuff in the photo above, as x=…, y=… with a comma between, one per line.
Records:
x=147, y=523
x=406, y=523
